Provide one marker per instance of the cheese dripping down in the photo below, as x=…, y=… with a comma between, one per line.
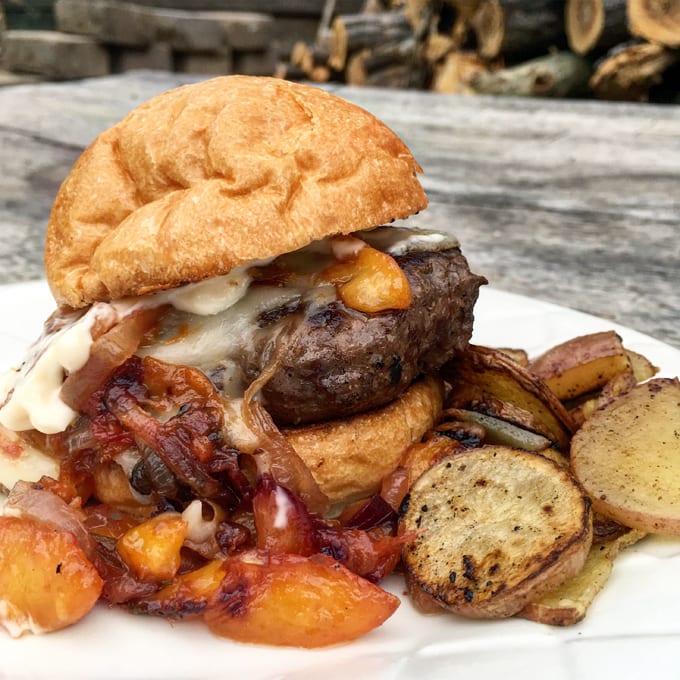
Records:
x=208, y=324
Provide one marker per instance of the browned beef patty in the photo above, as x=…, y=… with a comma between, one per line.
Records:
x=334, y=362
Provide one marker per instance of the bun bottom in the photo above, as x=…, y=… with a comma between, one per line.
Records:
x=348, y=458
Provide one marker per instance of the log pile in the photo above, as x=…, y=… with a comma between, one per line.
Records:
x=609, y=49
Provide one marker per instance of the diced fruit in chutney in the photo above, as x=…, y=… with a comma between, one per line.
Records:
x=370, y=282
x=152, y=548
x=46, y=581
x=295, y=601
x=187, y=595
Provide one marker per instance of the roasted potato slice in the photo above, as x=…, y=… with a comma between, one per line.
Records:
x=618, y=385
x=498, y=527
x=627, y=457
x=520, y=356
x=642, y=367
x=582, y=364
x=480, y=373
x=569, y=603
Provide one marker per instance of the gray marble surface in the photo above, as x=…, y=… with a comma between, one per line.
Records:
x=577, y=203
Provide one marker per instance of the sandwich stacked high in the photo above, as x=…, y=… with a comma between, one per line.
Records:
x=235, y=227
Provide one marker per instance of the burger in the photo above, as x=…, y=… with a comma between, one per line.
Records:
x=226, y=281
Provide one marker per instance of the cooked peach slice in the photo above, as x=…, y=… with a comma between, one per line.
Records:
x=295, y=601
x=371, y=281
x=46, y=581
x=187, y=595
x=152, y=548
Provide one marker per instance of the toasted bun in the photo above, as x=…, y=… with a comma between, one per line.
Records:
x=349, y=458
x=207, y=177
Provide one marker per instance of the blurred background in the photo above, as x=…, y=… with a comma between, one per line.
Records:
x=624, y=50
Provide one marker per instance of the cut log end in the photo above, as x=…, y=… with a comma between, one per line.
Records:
x=656, y=20
x=630, y=72
x=456, y=72
x=488, y=24
x=338, y=57
x=584, y=20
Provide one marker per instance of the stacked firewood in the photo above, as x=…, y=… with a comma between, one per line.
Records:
x=610, y=49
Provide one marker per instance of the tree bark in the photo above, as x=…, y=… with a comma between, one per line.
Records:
x=392, y=76
x=562, y=74
x=353, y=32
x=363, y=65
x=517, y=29
x=630, y=71
x=655, y=21
x=595, y=24
x=311, y=60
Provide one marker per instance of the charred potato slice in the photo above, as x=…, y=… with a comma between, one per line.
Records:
x=617, y=386
x=581, y=364
x=643, y=369
x=497, y=528
x=481, y=373
x=568, y=604
x=519, y=356
x=627, y=457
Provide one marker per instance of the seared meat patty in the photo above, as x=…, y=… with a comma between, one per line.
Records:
x=333, y=362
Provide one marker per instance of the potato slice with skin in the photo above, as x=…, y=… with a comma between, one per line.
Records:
x=643, y=369
x=618, y=385
x=481, y=372
x=627, y=457
x=581, y=364
x=46, y=581
x=295, y=601
x=568, y=604
x=499, y=527
x=520, y=356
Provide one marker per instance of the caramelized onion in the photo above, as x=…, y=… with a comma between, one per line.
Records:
x=171, y=446
x=30, y=500
x=376, y=513
x=109, y=351
x=275, y=455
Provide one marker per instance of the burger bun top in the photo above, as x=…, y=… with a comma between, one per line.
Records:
x=210, y=176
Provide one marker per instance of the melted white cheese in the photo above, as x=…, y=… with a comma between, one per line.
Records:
x=34, y=390
x=35, y=402
x=214, y=320
x=18, y=461
x=206, y=341
x=211, y=296
x=397, y=241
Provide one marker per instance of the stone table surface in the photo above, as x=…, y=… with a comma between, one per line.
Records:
x=573, y=202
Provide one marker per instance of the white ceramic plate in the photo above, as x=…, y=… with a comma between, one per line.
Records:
x=631, y=631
